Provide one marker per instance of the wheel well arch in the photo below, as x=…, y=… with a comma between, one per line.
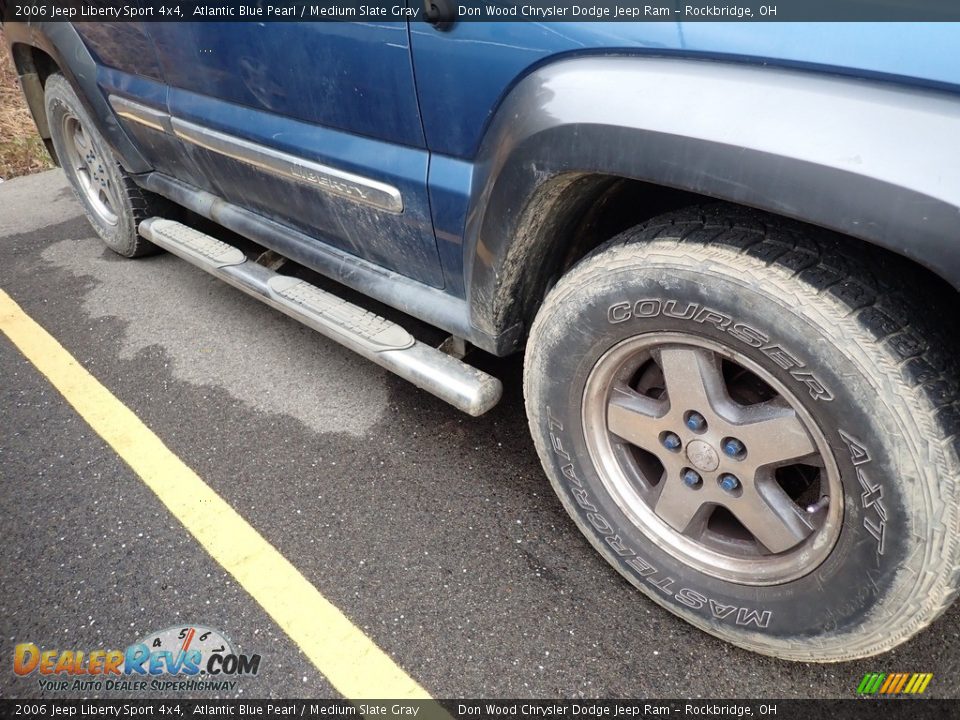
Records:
x=567, y=217
x=34, y=66
x=45, y=48
x=634, y=133
x=573, y=214
x=29, y=58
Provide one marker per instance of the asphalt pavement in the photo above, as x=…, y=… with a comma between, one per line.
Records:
x=436, y=534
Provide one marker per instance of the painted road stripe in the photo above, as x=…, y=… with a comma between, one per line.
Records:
x=350, y=660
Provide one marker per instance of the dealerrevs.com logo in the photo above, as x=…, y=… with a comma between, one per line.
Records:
x=182, y=659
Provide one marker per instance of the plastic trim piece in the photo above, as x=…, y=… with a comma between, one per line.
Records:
x=871, y=160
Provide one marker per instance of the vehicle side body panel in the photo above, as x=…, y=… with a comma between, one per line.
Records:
x=823, y=123
x=465, y=73
x=303, y=95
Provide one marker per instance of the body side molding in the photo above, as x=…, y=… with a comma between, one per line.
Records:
x=141, y=114
x=290, y=167
x=284, y=165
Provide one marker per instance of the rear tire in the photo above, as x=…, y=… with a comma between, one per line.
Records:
x=112, y=202
x=725, y=343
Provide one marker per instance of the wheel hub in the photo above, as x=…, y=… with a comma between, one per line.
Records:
x=712, y=458
x=702, y=456
x=91, y=171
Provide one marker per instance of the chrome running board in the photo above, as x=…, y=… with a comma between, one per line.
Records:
x=375, y=338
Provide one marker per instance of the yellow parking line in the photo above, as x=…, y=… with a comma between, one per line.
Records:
x=350, y=660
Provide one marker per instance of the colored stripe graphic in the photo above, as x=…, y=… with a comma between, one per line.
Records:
x=878, y=679
x=891, y=680
x=914, y=682
x=894, y=683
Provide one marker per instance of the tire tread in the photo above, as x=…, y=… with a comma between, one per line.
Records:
x=889, y=301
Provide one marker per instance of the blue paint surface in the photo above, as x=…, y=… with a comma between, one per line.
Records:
x=409, y=105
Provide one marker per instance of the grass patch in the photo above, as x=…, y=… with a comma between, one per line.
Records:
x=21, y=150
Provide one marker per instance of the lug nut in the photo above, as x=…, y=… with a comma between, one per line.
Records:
x=671, y=441
x=691, y=478
x=733, y=448
x=729, y=483
x=816, y=507
x=696, y=422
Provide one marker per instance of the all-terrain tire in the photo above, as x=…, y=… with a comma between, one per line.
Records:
x=112, y=202
x=856, y=341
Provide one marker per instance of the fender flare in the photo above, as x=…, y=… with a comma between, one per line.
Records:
x=867, y=159
x=61, y=42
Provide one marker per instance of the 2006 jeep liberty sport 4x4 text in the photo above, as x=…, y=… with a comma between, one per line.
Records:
x=730, y=256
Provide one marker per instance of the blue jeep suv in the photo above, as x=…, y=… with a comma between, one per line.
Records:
x=730, y=254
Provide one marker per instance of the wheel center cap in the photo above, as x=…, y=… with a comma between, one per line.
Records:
x=702, y=456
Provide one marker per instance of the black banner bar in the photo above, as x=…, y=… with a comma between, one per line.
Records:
x=865, y=709
x=479, y=11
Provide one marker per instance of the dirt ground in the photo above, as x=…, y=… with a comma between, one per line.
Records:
x=21, y=150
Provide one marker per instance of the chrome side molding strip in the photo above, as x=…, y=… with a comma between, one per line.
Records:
x=291, y=167
x=337, y=182
x=141, y=114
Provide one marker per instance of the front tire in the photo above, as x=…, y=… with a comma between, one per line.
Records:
x=112, y=202
x=758, y=428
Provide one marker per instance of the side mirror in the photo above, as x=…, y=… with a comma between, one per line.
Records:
x=440, y=13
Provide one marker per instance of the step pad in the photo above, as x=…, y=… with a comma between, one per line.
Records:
x=199, y=243
x=375, y=330
x=366, y=333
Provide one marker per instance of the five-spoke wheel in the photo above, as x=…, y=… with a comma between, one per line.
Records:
x=90, y=169
x=710, y=455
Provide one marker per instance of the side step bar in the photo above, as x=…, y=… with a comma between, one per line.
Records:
x=375, y=338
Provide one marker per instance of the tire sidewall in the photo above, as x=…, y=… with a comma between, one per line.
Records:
x=60, y=101
x=802, y=352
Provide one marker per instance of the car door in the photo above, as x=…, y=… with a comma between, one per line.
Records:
x=315, y=125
